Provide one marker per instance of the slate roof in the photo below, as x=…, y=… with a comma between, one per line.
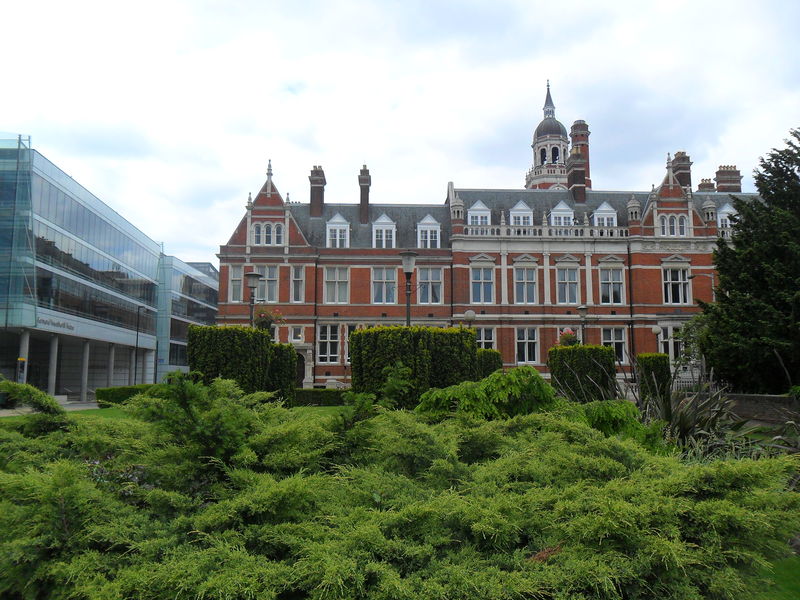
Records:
x=405, y=216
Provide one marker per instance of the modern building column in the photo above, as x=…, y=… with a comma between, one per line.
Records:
x=132, y=367
x=52, y=368
x=24, y=349
x=110, y=368
x=85, y=372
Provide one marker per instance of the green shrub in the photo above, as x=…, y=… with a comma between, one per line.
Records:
x=583, y=373
x=612, y=417
x=654, y=374
x=519, y=391
x=437, y=357
x=244, y=354
x=489, y=361
x=317, y=397
x=794, y=393
x=111, y=396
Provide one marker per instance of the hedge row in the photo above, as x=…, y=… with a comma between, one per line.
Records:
x=111, y=396
x=655, y=375
x=583, y=373
x=437, y=357
x=488, y=362
x=318, y=397
x=244, y=354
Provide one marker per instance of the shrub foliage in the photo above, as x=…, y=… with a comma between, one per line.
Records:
x=437, y=357
x=655, y=377
x=583, y=373
x=489, y=361
x=119, y=395
x=244, y=354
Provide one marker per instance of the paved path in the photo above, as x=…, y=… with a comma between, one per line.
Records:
x=24, y=410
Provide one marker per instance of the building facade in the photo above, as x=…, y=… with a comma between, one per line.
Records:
x=80, y=287
x=529, y=264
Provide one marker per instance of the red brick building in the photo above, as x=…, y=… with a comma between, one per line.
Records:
x=523, y=260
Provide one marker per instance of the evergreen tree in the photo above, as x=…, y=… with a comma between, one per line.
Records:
x=753, y=335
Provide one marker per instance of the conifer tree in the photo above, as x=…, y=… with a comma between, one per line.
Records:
x=753, y=335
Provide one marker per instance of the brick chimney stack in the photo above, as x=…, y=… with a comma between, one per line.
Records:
x=706, y=185
x=682, y=168
x=317, y=179
x=364, y=181
x=579, y=133
x=728, y=179
x=576, y=175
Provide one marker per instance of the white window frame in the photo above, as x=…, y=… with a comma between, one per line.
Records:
x=298, y=284
x=669, y=343
x=527, y=343
x=278, y=234
x=235, y=286
x=267, y=232
x=676, y=284
x=615, y=338
x=521, y=220
x=479, y=214
x=428, y=280
x=384, y=285
x=257, y=234
x=525, y=288
x=270, y=284
x=484, y=337
x=428, y=236
x=485, y=287
x=607, y=282
x=328, y=343
x=296, y=333
x=336, y=280
x=383, y=234
x=564, y=285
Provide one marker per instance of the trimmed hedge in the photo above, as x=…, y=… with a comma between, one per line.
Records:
x=244, y=354
x=488, y=362
x=437, y=357
x=111, y=396
x=318, y=397
x=583, y=373
x=655, y=375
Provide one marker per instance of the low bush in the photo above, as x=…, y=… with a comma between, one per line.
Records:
x=583, y=373
x=317, y=397
x=111, y=396
x=655, y=377
x=612, y=417
x=489, y=361
x=518, y=391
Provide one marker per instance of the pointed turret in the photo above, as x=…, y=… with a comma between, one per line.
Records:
x=549, y=107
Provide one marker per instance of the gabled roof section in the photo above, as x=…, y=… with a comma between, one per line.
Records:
x=383, y=220
x=268, y=196
x=482, y=258
x=605, y=209
x=727, y=208
x=428, y=220
x=521, y=207
x=338, y=219
x=479, y=206
x=562, y=207
x=670, y=187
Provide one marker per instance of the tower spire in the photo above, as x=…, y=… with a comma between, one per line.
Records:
x=549, y=107
x=269, y=176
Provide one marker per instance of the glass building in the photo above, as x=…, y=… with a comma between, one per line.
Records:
x=187, y=295
x=80, y=287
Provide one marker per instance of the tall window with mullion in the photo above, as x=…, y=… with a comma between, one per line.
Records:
x=526, y=344
x=524, y=285
x=298, y=283
x=328, y=344
x=676, y=286
x=567, y=280
x=267, y=290
x=336, y=285
x=384, y=285
x=615, y=338
x=610, y=286
x=235, y=294
x=429, y=281
x=482, y=285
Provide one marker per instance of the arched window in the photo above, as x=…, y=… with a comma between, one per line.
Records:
x=663, y=225
x=257, y=234
x=278, y=234
x=543, y=156
x=682, y=226
x=672, y=225
x=555, y=154
x=268, y=235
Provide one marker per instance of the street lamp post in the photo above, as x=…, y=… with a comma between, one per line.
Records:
x=409, y=258
x=253, y=277
x=583, y=311
x=656, y=332
x=713, y=283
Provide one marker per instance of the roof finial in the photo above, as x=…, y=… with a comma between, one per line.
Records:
x=269, y=176
x=549, y=107
x=249, y=201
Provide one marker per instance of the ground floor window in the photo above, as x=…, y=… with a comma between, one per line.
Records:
x=328, y=344
x=615, y=338
x=526, y=344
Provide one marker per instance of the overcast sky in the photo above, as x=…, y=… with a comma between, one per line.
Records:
x=169, y=110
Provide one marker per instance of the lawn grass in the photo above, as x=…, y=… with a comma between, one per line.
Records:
x=786, y=578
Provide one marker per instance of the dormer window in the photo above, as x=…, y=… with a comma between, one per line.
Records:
x=478, y=214
x=521, y=215
x=724, y=216
x=605, y=216
x=561, y=215
x=428, y=233
x=338, y=232
x=384, y=232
